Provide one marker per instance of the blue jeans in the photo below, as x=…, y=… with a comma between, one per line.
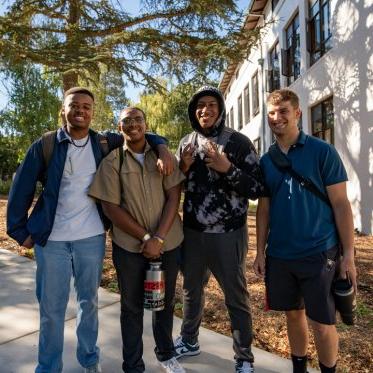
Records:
x=56, y=262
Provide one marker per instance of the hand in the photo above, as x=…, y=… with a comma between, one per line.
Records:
x=28, y=243
x=216, y=160
x=165, y=162
x=187, y=158
x=259, y=265
x=152, y=248
x=347, y=268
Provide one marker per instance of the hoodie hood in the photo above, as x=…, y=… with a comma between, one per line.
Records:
x=219, y=124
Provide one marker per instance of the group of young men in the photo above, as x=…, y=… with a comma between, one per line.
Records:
x=133, y=180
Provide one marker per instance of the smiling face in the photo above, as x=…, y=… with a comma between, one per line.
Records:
x=207, y=111
x=132, y=124
x=283, y=118
x=77, y=111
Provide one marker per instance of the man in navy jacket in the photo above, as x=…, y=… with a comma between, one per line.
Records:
x=65, y=228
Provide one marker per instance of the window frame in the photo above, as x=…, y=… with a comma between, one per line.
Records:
x=231, y=117
x=247, y=111
x=255, y=93
x=239, y=112
x=290, y=56
x=317, y=25
x=324, y=130
x=273, y=72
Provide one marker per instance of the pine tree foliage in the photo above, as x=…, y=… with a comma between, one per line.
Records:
x=75, y=37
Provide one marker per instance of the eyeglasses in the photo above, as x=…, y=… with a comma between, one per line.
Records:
x=127, y=121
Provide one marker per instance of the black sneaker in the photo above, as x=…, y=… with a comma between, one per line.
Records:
x=244, y=367
x=185, y=349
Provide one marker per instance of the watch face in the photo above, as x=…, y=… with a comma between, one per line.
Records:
x=146, y=237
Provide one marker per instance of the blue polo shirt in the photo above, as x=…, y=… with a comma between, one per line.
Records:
x=300, y=223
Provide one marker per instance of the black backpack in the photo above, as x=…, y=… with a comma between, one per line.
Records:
x=48, y=139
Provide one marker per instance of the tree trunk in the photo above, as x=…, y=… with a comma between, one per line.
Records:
x=70, y=78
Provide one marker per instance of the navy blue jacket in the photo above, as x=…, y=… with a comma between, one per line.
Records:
x=39, y=223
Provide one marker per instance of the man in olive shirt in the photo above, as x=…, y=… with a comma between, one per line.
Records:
x=143, y=206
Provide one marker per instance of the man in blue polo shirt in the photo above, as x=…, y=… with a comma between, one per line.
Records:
x=299, y=235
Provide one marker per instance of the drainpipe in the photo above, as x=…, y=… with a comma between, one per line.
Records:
x=261, y=64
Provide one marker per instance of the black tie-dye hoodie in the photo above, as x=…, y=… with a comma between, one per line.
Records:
x=216, y=202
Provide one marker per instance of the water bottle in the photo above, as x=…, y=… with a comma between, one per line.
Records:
x=154, y=287
x=345, y=300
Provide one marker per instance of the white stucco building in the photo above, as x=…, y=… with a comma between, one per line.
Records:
x=322, y=49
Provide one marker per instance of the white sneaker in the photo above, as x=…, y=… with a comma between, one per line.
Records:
x=171, y=366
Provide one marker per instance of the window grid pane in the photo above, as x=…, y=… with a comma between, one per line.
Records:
x=322, y=117
x=320, y=32
x=231, y=118
x=255, y=86
x=239, y=112
x=247, y=104
x=293, y=42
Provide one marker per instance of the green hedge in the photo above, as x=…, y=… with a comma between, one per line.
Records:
x=5, y=186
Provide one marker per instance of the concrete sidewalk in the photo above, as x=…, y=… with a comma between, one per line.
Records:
x=19, y=322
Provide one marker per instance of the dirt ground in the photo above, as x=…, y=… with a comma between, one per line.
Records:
x=356, y=343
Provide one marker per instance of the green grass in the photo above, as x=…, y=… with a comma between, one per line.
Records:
x=362, y=310
x=112, y=286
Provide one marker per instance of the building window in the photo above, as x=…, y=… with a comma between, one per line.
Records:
x=227, y=120
x=255, y=93
x=273, y=72
x=322, y=117
x=319, y=32
x=239, y=112
x=231, y=118
x=247, y=104
x=258, y=146
x=291, y=55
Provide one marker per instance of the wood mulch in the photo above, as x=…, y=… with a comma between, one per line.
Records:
x=356, y=343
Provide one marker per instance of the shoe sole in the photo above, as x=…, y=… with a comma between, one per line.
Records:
x=162, y=367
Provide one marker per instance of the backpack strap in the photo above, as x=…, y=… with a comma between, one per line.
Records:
x=104, y=145
x=47, y=142
x=283, y=164
x=121, y=157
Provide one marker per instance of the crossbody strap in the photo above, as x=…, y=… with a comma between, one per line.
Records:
x=283, y=164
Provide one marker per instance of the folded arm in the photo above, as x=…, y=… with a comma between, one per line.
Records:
x=153, y=247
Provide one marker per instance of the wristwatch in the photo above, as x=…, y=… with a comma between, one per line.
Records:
x=146, y=237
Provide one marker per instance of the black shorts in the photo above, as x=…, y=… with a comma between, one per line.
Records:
x=303, y=283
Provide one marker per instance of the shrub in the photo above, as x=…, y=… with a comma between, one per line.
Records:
x=5, y=186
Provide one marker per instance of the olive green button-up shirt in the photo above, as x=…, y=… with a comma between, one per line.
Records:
x=141, y=191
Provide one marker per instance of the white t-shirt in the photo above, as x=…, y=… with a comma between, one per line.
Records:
x=140, y=157
x=76, y=215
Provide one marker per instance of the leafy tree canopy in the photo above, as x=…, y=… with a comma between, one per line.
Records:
x=171, y=38
x=33, y=106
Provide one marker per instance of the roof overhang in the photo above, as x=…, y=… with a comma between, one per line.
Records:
x=256, y=7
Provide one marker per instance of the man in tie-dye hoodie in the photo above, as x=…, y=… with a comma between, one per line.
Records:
x=222, y=173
